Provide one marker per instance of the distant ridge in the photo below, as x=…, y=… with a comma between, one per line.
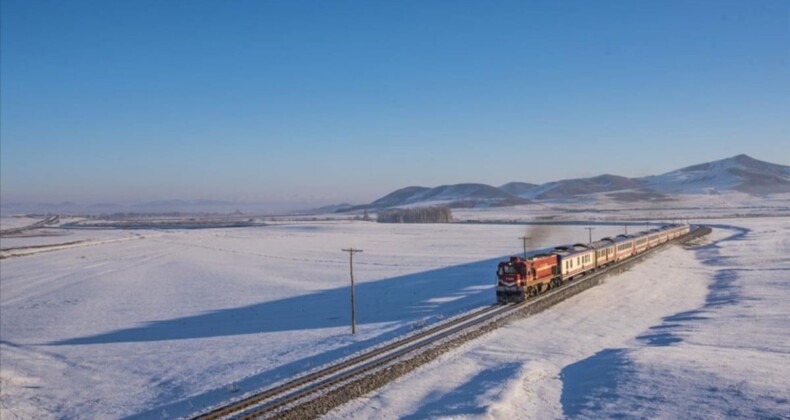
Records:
x=740, y=173
x=518, y=188
x=454, y=196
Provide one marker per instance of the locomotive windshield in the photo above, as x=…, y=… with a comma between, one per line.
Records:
x=509, y=269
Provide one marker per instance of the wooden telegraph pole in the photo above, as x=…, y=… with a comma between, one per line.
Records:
x=351, y=252
x=524, y=239
x=589, y=229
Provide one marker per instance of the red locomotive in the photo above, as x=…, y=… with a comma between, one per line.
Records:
x=521, y=277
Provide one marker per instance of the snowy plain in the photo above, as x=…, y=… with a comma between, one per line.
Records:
x=163, y=326
x=16, y=222
x=693, y=332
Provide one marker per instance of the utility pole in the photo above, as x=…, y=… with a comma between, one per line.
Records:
x=626, y=228
x=589, y=229
x=524, y=239
x=351, y=252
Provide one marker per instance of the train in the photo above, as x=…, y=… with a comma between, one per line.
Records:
x=520, y=278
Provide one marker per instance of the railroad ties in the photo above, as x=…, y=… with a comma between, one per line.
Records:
x=316, y=393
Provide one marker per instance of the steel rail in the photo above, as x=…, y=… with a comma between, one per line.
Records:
x=368, y=368
x=271, y=400
x=315, y=376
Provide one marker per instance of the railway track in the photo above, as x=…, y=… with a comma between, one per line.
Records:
x=260, y=404
x=341, y=377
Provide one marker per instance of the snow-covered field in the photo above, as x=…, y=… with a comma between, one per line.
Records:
x=164, y=325
x=690, y=333
x=16, y=222
x=600, y=207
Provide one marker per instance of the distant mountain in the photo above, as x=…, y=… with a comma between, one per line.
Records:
x=456, y=196
x=105, y=207
x=581, y=186
x=518, y=188
x=739, y=173
x=186, y=206
x=334, y=208
x=161, y=206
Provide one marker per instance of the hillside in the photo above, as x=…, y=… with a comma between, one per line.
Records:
x=736, y=174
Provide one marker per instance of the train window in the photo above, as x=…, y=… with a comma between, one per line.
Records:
x=509, y=269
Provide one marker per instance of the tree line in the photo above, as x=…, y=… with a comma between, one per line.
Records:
x=417, y=215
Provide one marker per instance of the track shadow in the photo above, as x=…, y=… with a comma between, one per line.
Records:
x=464, y=400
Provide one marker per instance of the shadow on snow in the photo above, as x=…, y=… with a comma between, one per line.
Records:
x=404, y=298
x=465, y=400
x=591, y=384
x=722, y=291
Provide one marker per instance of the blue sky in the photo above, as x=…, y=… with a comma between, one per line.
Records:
x=324, y=101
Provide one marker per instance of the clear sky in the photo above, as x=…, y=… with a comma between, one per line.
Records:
x=330, y=101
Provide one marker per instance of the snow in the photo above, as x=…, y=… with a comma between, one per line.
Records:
x=13, y=222
x=601, y=208
x=164, y=325
x=722, y=175
x=698, y=333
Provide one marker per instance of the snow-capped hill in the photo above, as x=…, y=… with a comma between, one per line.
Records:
x=739, y=173
x=580, y=186
x=521, y=189
x=736, y=174
x=399, y=197
x=458, y=195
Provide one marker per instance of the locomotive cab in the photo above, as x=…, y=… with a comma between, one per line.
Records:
x=512, y=278
x=518, y=278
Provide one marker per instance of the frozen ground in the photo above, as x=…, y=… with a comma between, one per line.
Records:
x=161, y=326
x=690, y=333
x=600, y=207
x=11, y=222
